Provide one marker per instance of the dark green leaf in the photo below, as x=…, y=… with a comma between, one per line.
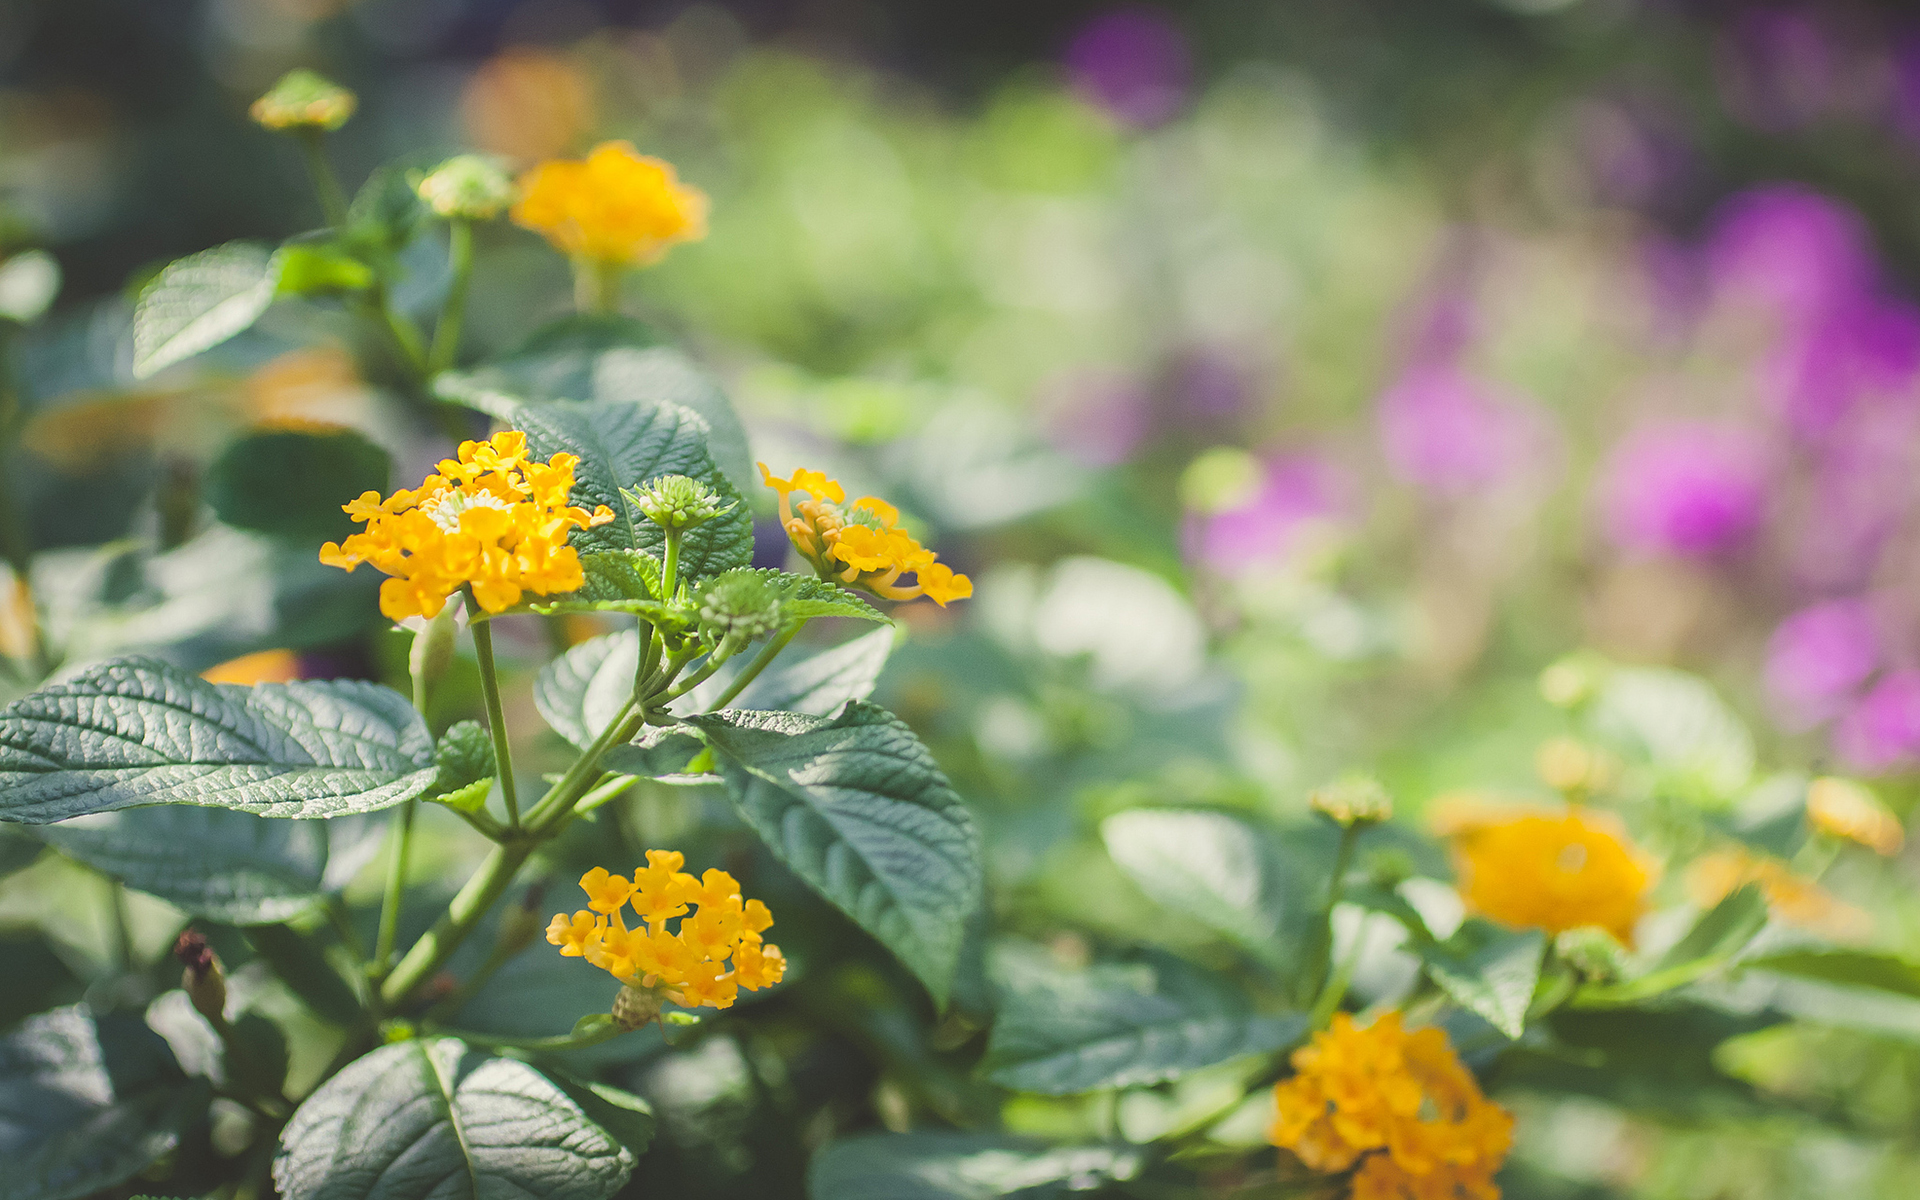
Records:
x=624, y=445
x=621, y=1113
x=1489, y=971
x=818, y=683
x=537, y=994
x=256, y=1055
x=136, y=731
x=86, y=1103
x=463, y=757
x=301, y=962
x=962, y=1166
x=580, y=692
x=438, y=1119
x=857, y=807
x=226, y=866
x=1121, y=1025
x=37, y=977
x=1854, y=968
x=385, y=213
x=659, y=751
x=17, y=850
x=292, y=483
x=1650, y=1059
x=198, y=302
x=1216, y=870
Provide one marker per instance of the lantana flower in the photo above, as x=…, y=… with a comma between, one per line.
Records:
x=617, y=206
x=1553, y=871
x=687, y=963
x=491, y=519
x=1842, y=808
x=1791, y=897
x=860, y=543
x=1398, y=1103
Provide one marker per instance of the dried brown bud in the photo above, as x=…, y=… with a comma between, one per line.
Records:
x=204, y=981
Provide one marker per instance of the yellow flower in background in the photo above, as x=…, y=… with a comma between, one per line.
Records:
x=267, y=666
x=1553, y=872
x=1400, y=1104
x=491, y=519
x=860, y=543
x=1844, y=809
x=617, y=206
x=1793, y=898
x=687, y=964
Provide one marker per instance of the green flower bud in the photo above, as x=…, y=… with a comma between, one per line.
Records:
x=471, y=187
x=304, y=100
x=742, y=603
x=678, y=502
x=1593, y=952
x=1352, y=800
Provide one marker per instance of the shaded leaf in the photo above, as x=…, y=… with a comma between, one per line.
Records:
x=658, y=751
x=197, y=302
x=580, y=691
x=37, y=977
x=817, y=683
x=1212, y=868
x=438, y=1119
x=136, y=731
x=1679, y=724
x=962, y=1166
x=292, y=483
x=1490, y=971
x=857, y=807
x=1855, y=968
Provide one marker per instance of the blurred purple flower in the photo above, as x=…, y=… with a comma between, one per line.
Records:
x=1209, y=386
x=1684, y=487
x=1778, y=69
x=1864, y=347
x=1296, y=491
x=1862, y=486
x=1883, y=730
x=1790, y=247
x=1450, y=433
x=1818, y=658
x=1095, y=417
x=1133, y=63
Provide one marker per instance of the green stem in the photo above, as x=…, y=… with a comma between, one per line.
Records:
x=326, y=185
x=437, y=944
x=1336, y=988
x=342, y=922
x=728, y=647
x=609, y=790
x=446, y=335
x=767, y=654
x=1320, y=953
x=496, y=719
x=670, y=565
x=396, y=889
x=405, y=336
x=547, y=1045
x=547, y=816
x=596, y=285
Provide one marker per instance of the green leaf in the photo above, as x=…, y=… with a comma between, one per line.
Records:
x=17, y=850
x=319, y=269
x=659, y=752
x=257, y=1060
x=1121, y=1025
x=809, y=596
x=580, y=692
x=1677, y=723
x=37, y=977
x=615, y=359
x=136, y=731
x=464, y=757
x=197, y=302
x=1657, y=1060
x=620, y=581
x=817, y=683
x=1213, y=869
x=86, y=1103
x=301, y=962
x=962, y=1166
x=621, y=1113
x=1489, y=971
x=439, y=1119
x=292, y=483
x=857, y=807
x=624, y=445
x=385, y=213
x=226, y=866
x=1854, y=968
x=1722, y=932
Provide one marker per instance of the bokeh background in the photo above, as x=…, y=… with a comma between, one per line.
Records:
x=1297, y=381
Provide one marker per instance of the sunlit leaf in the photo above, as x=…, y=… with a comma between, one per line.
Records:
x=1212, y=869
x=962, y=1166
x=199, y=301
x=1490, y=971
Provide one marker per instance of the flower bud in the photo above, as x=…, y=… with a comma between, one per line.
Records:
x=471, y=187
x=1352, y=800
x=204, y=981
x=304, y=100
x=678, y=502
x=1593, y=952
x=432, y=653
x=635, y=1007
x=1573, y=680
x=742, y=603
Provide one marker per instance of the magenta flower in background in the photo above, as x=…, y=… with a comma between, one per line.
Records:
x=1295, y=492
x=1684, y=487
x=1448, y=432
x=1883, y=730
x=1778, y=69
x=1864, y=348
x=1095, y=417
x=1133, y=63
x=1817, y=660
x=1791, y=248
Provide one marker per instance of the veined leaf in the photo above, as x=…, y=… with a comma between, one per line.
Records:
x=439, y=1119
x=1490, y=971
x=817, y=683
x=809, y=596
x=1214, y=869
x=857, y=807
x=197, y=302
x=1121, y=1025
x=962, y=1166
x=227, y=866
x=136, y=731
x=580, y=692
x=86, y=1103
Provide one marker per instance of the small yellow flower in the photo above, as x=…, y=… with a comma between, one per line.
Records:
x=687, y=964
x=491, y=519
x=1554, y=872
x=862, y=543
x=304, y=100
x=1400, y=1105
x=617, y=206
x=1844, y=809
x=1793, y=898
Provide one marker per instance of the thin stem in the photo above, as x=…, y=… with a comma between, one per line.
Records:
x=405, y=336
x=609, y=789
x=496, y=719
x=767, y=654
x=596, y=285
x=391, y=900
x=1336, y=988
x=557, y=805
x=437, y=944
x=728, y=647
x=342, y=922
x=446, y=335
x=1320, y=954
x=670, y=564
x=326, y=185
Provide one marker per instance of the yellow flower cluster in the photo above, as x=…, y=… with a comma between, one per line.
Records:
x=1844, y=809
x=1795, y=899
x=861, y=543
x=1398, y=1103
x=1553, y=871
x=616, y=206
x=491, y=518
x=688, y=964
